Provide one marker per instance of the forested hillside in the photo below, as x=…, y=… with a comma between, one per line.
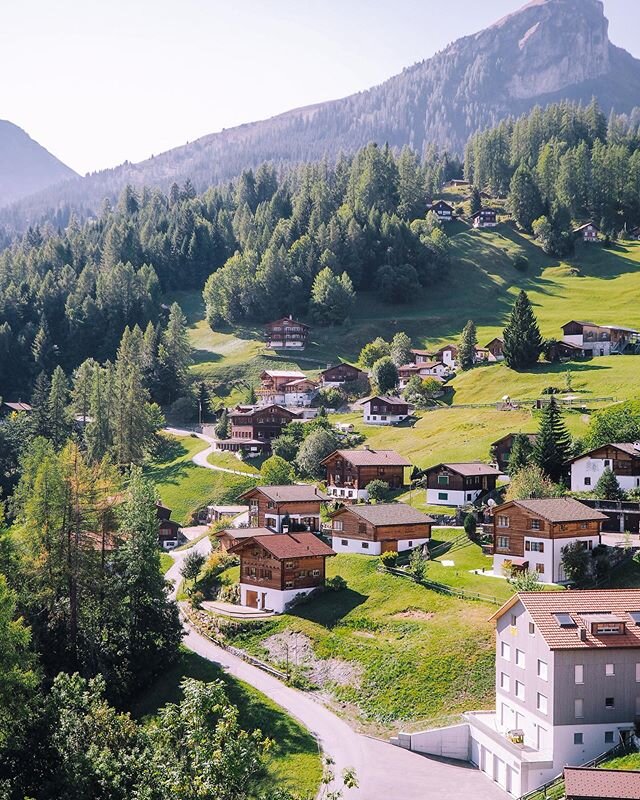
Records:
x=548, y=51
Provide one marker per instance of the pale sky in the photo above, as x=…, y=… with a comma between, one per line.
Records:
x=98, y=82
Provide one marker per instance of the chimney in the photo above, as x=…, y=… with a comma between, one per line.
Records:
x=582, y=634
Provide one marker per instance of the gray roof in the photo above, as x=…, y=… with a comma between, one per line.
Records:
x=560, y=509
x=286, y=494
x=388, y=514
x=469, y=468
x=626, y=447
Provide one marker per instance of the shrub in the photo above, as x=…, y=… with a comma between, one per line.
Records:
x=521, y=263
x=378, y=490
x=336, y=584
x=389, y=559
x=196, y=600
x=470, y=525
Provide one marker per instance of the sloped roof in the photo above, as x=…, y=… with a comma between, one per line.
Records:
x=301, y=493
x=531, y=436
x=468, y=469
x=342, y=364
x=284, y=373
x=287, y=319
x=392, y=401
x=367, y=457
x=288, y=545
x=581, y=607
x=18, y=406
x=387, y=514
x=558, y=509
x=249, y=411
x=245, y=533
x=625, y=447
x=608, y=784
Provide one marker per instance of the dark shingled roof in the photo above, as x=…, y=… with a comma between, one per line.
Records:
x=387, y=514
x=371, y=458
x=469, y=468
x=608, y=784
x=625, y=447
x=245, y=533
x=302, y=493
x=560, y=509
x=288, y=545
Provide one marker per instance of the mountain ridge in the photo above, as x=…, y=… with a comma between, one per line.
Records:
x=549, y=50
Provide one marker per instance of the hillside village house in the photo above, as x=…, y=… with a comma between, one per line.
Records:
x=340, y=374
x=459, y=484
x=375, y=529
x=601, y=340
x=567, y=684
x=349, y=472
x=448, y=355
x=7, y=408
x=286, y=388
x=532, y=534
x=168, y=529
x=236, y=514
x=428, y=369
x=443, y=210
x=485, y=218
x=253, y=428
x=501, y=448
x=380, y=410
x=588, y=232
x=496, y=349
x=622, y=458
x=286, y=333
x=421, y=356
x=279, y=507
x=229, y=537
x=276, y=569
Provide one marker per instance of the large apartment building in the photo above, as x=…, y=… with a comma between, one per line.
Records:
x=567, y=684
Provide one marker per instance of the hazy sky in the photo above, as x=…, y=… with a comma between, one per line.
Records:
x=101, y=81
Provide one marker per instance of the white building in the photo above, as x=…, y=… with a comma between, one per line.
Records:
x=622, y=458
x=459, y=484
x=381, y=410
x=601, y=340
x=286, y=388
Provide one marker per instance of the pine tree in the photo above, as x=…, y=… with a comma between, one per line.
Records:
x=40, y=418
x=174, y=355
x=524, y=200
x=467, y=346
x=43, y=349
x=553, y=444
x=400, y=349
x=222, y=428
x=476, y=200
x=607, y=487
x=522, y=339
x=59, y=416
x=521, y=453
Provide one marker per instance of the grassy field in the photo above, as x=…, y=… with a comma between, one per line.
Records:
x=229, y=461
x=295, y=761
x=632, y=761
x=166, y=562
x=422, y=655
x=185, y=487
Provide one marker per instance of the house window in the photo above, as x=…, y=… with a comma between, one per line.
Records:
x=532, y=628
x=503, y=542
x=289, y=564
x=577, y=738
x=540, y=569
x=578, y=708
x=443, y=495
x=505, y=681
x=337, y=525
x=535, y=547
x=583, y=526
x=609, y=670
x=365, y=545
x=637, y=672
x=505, y=651
x=535, y=524
x=288, y=585
x=409, y=544
x=344, y=542
x=608, y=737
x=542, y=670
x=316, y=573
x=443, y=480
x=520, y=661
x=514, y=620
x=609, y=702
x=578, y=673
x=587, y=481
x=520, y=690
x=503, y=522
x=541, y=703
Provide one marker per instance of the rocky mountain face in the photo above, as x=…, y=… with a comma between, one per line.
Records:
x=547, y=51
x=25, y=166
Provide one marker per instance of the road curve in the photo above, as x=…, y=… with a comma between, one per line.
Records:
x=201, y=458
x=384, y=772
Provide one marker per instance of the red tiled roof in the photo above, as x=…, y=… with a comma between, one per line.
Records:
x=608, y=784
x=370, y=458
x=288, y=545
x=558, y=509
x=583, y=607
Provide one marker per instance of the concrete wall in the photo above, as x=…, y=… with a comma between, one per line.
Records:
x=347, y=494
x=450, y=742
x=455, y=497
x=274, y=599
x=355, y=546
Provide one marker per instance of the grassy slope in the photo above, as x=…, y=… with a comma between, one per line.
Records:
x=185, y=488
x=295, y=761
x=416, y=667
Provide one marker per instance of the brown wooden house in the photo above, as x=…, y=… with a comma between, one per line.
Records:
x=496, y=348
x=375, y=529
x=341, y=374
x=253, y=427
x=622, y=458
x=501, y=448
x=229, y=537
x=531, y=534
x=286, y=333
x=443, y=210
x=485, y=218
x=459, y=484
x=350, y=471
x=168, y=529
x=277, y=507
x=275, y=569
x=588, y=232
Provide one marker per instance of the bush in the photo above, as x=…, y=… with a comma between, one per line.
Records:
x=332, y=397
x=336, y=584
x=551, y=390
x=470, y=525
x=378, y=491
x=389, y=559
x=521, y=263
x=196, y=600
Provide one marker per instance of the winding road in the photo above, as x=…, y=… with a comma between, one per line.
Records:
x=201, y=458
x=384, y=772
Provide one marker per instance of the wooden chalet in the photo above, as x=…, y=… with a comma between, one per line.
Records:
x=286, y=388
x=622, y=458
x=427, y=369
x=601, y=340
x=443, y=210
x=340, y=374
x=229, y=537
x=275, y=569
x=168, y=529
x=496, y=348
x=253, y=427
x=7, y=408
x=382, y=410
x=349, y=472
x=375, y=529
x=501, y=448
x=448, y=354
x=485, y=218
x=422, y=356
x=459, y=484
x=589, y=232
x=279, y=507
x=531, y=534
x=286, y=333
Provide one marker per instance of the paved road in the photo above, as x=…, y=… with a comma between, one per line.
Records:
x=385, y=772
x=201, y=458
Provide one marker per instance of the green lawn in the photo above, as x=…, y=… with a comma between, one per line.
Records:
x=185, y=487
x=229, y=461
x=424, y=656
x=166, y=562
x=631, y=761
x=294, y=762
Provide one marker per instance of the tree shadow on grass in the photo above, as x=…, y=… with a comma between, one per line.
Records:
x=329, y=608
x=171, y=473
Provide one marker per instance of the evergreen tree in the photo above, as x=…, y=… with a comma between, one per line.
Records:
x=476, y=200
x=40, y=415
x=524, y=199
x=521, y=453
x=522, y=339
x=607, y=487
x=174, y=355
x=59, y=415
x=553, y=444
x=331, y=297
x=400, y=349
x=222, y=429
x=467, y=346
x=43, y=349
